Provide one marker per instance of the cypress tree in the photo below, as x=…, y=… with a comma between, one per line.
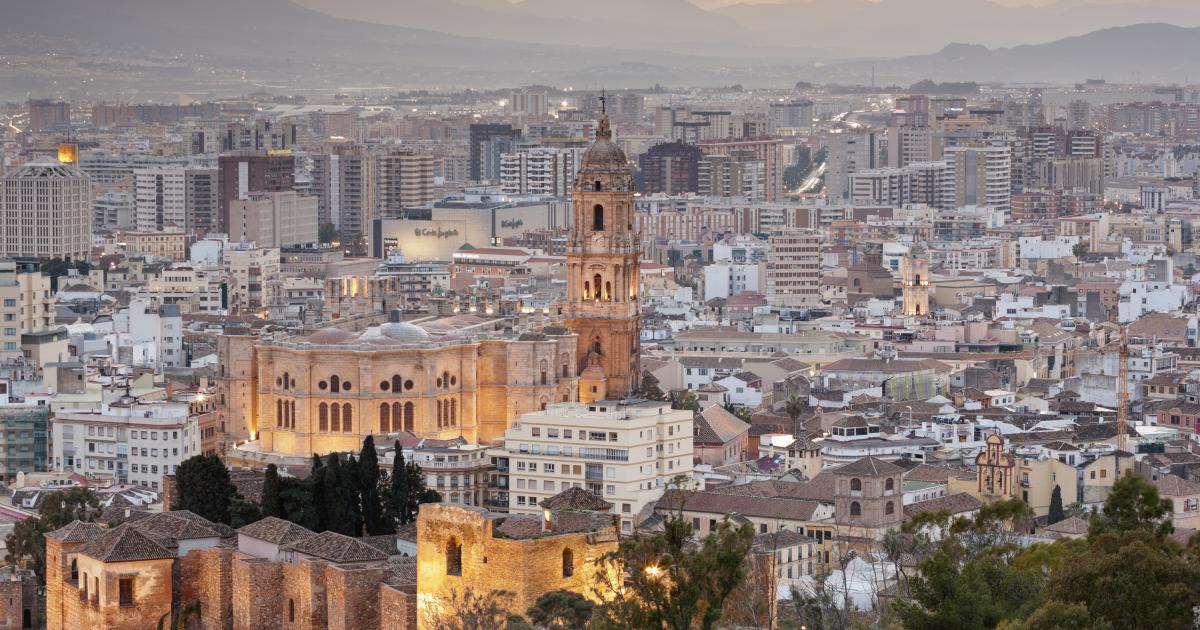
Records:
x=1056, y=506
x=272, y=498
x=350, y=496
x=335, y=507
x=315, y=485
x=368, y=479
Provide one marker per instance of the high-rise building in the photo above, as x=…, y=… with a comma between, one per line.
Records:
x=672, y=168
x=346, y=185
x=528, y=103
x=241, y=175
x=603, y=306
x=274, y=219
x=882, y=187
x=46, y=211
x=46, y=115
x=539, y=171
x=1079, y=115
x=484, y=152
x=160, y=196
x=203, y=199
x=794, y=269
x=739, y=174
x=790, y=114
x=767, y=150
x=405, y=180
x=849, y=151
x=908, y=144
x=978, y=176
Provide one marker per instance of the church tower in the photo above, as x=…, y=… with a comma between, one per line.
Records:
x=602, y=271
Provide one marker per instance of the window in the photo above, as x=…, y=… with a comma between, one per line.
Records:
x=291, y=611
x=453, y=557
x=889, y=485
x=535, y=432
x=568, y=563
x=75, y=570
x=125, y=586
x=335, y=383
x=890, y=508
x=548, y=467
x=323, y=416
x=855, y=509
x=856, y=485
x=385, y=418
x=598, y=219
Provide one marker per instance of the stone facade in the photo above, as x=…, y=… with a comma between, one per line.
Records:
x=461, y=547
x=868, y=498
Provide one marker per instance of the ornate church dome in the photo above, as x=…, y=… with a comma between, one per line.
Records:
x=404, y=332
x=603, y=154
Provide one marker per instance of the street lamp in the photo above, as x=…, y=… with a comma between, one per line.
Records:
x=653, y=571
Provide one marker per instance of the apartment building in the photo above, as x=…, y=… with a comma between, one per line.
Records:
x=539, y=171
x=405, y=180
x=274, y=219
x=978, y=176
x=794, y=269
x=625, y=452
x=26, y=306
x=160, y=198
x=46, y=211
x=255, y=279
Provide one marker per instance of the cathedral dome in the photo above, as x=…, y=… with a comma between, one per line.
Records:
x=328, y=337
x=404, y=332
x=603, y=155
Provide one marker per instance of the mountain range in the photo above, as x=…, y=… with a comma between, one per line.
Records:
x=173, y=46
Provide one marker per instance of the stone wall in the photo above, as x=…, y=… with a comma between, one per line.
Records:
x=206, y=576
x=252, y=577
x=353, y=595
x=397, y=608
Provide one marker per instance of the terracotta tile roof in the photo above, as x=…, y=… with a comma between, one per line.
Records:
x=780, y=539
x=276, y=531
x=716, y=425
x=1175, y=486
x=519, y=526
x=937, y=474
x=77, y=531
x=576, y=499
x=401, y=571
x=746, y=505
x=125, y=543
x=869, y=467
x=337, y=548
x=177, y=527
x=954, y=504
x=1071, y=525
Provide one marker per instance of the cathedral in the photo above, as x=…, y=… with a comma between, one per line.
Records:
x=293, y=396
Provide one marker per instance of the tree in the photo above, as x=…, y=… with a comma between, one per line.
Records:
x=1133, y=504
x=1056, y=506
x=561, y=610
x=368, y=480
x=243, y=512
x=668, y=581
x=407, y=491
x=272, y=493
x=650, y=389
x=26, y=544
x=57, y=267
x=469, y=609
x=687, y=401
x=794, y=407
x=1079, y=250
x=204, y=488
x=327, y=232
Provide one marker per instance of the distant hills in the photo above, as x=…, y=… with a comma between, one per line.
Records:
x=220, y=46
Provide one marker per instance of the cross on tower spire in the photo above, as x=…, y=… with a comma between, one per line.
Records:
x=603, y=130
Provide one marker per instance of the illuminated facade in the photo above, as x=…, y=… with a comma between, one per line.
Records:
x=915, y=285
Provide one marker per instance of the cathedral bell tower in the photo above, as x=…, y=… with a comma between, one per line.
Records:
x=602, y=271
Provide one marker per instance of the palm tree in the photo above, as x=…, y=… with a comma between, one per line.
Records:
x=793, y=407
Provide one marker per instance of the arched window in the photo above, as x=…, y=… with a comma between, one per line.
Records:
x=607, y=291
x=397, y=383
x=335, y=383
x=597, y=185
x=565, y=366
x=75, y=569
x=598, y=283
x=439, y=414
x=856, y=485
x=285, y=380
x=291, y=611
x=446, y=380
x=542, y=404
x=596, y=346
x=278, y=412
x=453, y=557
x=408, y=417
x=855, y=509
x=293, y=415
x=287, y=414
x=335, y=420
x=598, y=218
x=568, y=558
x=587, y=290
x=889, y=485
x=323, y=417
x=385, y=418
x=454, y=412
x=347, y=418
x=890, y=508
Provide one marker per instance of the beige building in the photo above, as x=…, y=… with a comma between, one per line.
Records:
x=405, y=180
x=26, y=306
x=46, y=211
x=170, y=243
x=626, y=453
x=255, y=279
x=273, y=219
x=794, y=269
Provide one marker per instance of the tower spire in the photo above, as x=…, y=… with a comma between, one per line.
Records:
x=603, y=130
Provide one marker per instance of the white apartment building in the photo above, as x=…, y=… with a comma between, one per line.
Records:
x=274, y=219
x=882, y=187
x=723, y=279
x=255, y=278
x=909, y=144
x=46, y=211
x=160, y=198
x=539, y=171
x=626, y=453
x=127, y=441
x=151, y=333
x=794, y=269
